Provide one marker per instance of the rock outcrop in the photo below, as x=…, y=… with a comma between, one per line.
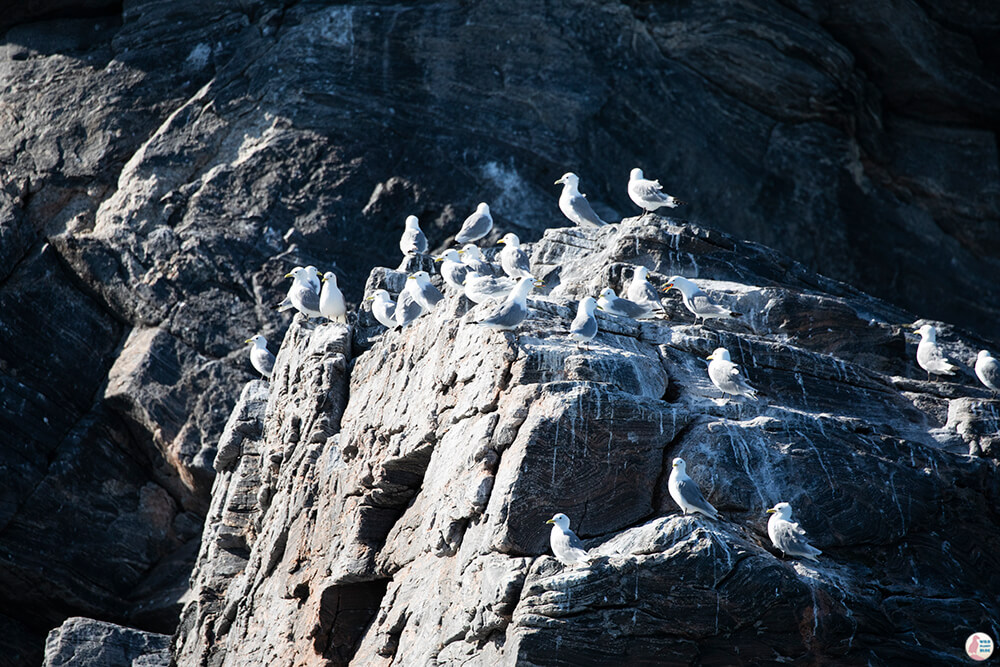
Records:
x=390, y=508
x=162, y=164
x=83, y=642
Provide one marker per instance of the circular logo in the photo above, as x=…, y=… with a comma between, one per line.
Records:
x=979, y=646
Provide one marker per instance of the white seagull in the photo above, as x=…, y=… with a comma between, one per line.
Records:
x=649, y=195
x=514, y=309
x=610, y=302
x=725, y=375
x=642, y=292
x=413, y=240
x=304, y=292
x=929, y=355
x=574, y=205
x=260, y=357
x=480, y=288
x=988, y=370
x=566, y=546
x=331, y=299
x=452, y=269
x=584, y=326
x=686, y=493
x=477, y=225
x=383, y=308
x=696, y=301
x=513, y=261
x=420, y=289
x=787, y=535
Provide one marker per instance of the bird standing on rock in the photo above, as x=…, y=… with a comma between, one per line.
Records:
x=686, y=493
x=929, y=355
x=642, y=292
x=725, y=375
x=477, y=225
x=331, y=299
x=303, y=295
x=480, y=288
x=584, y=326
x=513, y=261
x=566, y=546
x=260, y=357
x=649, y=195
x=514, y=310
x=383, y=308
x=452, y=269
x=787, y=535
x=472, y=257
x=614, y=304
x=988, y=370
x=413, y=240
x=574, y=205
x=696, y=301
x=420, y=289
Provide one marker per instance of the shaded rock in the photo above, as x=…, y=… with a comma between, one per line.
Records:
x=84, y=642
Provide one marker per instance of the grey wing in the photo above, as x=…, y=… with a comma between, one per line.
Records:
x=521, y=261
x=476, y=226
x=630, y=308
x=285, y=305
x=574, y=541
x=584, y=326
x=497, y=287
x=432, y=294
x=692, y=496
x=309, y=298
x=791, y=539
x=991, y=372
x=264, y=361
x=455, y=273
x=508, y=316
x=407, y=309
x=703, y=305
x=583, y=212
x=420, y=243
x=651, y=191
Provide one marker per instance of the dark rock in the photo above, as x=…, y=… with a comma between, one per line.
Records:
x=84, y=642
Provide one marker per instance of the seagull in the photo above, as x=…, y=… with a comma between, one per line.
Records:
x=419, y=288
x=566, y=546
x=988, y=370
x=725, y=375
x=929, y=355
x=304, y=292
x=614, y=304
x=787, y=535
x=260, y=357
x=642, y=292
x=407, y=308
x=331, y=299
x=514, y=309
x=584, y=326
x=452, y=269
x=574, y=205
x=383, y=308
x=477, y=225
x=313, y=280
x=686, y=493
x=413, y=240
x=472, y=257
x=649, y=195
x=481, y=288
x=512, y=259
x=697, y=301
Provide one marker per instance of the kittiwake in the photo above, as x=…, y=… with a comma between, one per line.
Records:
x=304, y=292
x=686, y=493
x=574, y=205
x=699, y=303
x=988, y=370
x=584, y=326
x=514, y=309
x=452, y=269
x=513, y=261
x=260, y=357
x=787, y=535
x=929, y=355
x=725, y=375
x=477, y=225
x=649, y=195
x=614, y=304
x=481, y=288
x=383, y=308
x=642, y=292
x=331, y=299
x=566, y=546
x=413, y=240
x=419, y=287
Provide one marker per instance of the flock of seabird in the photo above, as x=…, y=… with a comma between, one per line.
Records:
x=467, y=270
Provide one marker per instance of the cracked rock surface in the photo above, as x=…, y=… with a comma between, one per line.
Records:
x=390, y=509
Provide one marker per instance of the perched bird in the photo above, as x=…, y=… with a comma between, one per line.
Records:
x=407, y=308
x=929, y=355
x=512, y=259
x=988, y=370
x=420, y=289
x=787, y=535
x=477, y=225
x=413, y=240
x=725, y=375
x=452, y=269
x=697, y=301
x=584, y=326
x=383, y=308
x=304, y=292
x=574, y=205
x=614, y=304
x=642, y=292
x=286, y=304
x=514, y=309
x=649, y=195
x=566, y=546
x=686, y=493
x=472, y=257
x=260, y=357
x=331, y=299
x=481, y=288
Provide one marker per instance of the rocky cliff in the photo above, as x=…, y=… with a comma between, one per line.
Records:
x=390, y=508
x=163, y=164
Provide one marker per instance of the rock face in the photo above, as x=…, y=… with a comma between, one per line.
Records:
x=396, y=516
x=83, y=642
x=163, y=164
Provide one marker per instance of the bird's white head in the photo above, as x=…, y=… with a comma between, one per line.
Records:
x=588, y=304
x=258, y=341
x=451, y=255
x=681, y=283
x=331, y=277
x=783, y=510
x=379, y=295
x=719, y=353
x=483, y=208
x=412, y=222
x=983, y=354
x=472, y=251
x=679, y=464
x=641, y=272
x=569, y=178
x=560, y=520
x=928, y=333
x=510, y=238
x=421, y=277
x=295, y=272
x=635, y=175
x=608, y=293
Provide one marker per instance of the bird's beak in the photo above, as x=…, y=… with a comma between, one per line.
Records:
x=248, y=340
x=667, y=288
x=674, y=465
x=288, y=275
x=771, y=511
x=550, y=521
x=710, y=357
x=369, y=298
x=599, y=308
x=439, y=259
x=411, y=277
x=558, y=182
x=501, y=241
x=538, y=283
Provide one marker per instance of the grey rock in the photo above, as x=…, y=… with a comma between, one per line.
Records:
x=84, y=642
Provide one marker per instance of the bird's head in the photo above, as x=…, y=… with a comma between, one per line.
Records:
x=560, y=520
x=719, y=353
x=635, y=175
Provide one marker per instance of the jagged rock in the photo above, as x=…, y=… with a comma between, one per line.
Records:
x=165, y=163
x=425, y=543
x=84, y=642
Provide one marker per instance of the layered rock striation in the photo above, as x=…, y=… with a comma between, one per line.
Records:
x=388, y=505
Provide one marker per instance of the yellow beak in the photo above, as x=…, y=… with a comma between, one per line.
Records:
x=288, y=275
x=772, y=511
x=550, y=521
x=710, y=357
x=248, y=340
